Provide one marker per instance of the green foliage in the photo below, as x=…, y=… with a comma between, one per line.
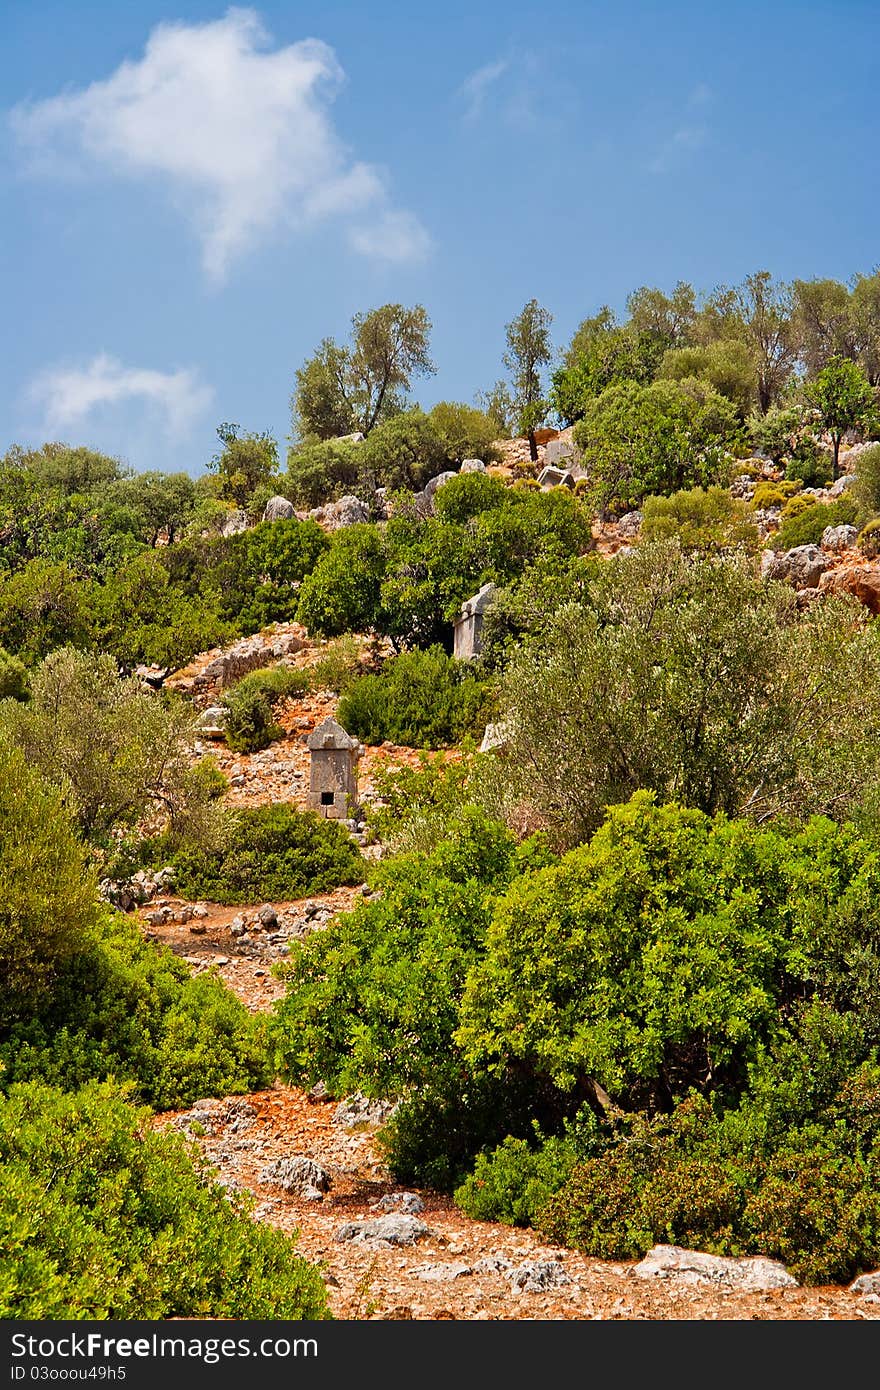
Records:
x=464, y=431
x=657, y=439
x=810, y=466
x=600, y=355
x=269, y=853
x=123, y=1009
x=46, y=889
x=866, y=488
x=869, y=540
x=14, y=682
x=514, y=1182
x=372, y=1001
x=843, y=398
x=688, y=677
x=806, y=527
x=43, y=606
x=701, y=520
x=320, y=470
x=529, y=349
x=774, y=494
x=260, y=571
x=341, y=662
x=102, y=1217
x=797, y=505
x=423, y=699
x=245, y=462
x=725, y=365
x=413, y=806
x=250, y=706
x=342, y=592
x=404, y=451
x=357, y=386
x=115, y=750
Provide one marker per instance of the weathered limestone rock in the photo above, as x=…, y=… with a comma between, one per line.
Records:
x=839, y=538
x=393, y=1230
x=472, y=466
x=533, y=1276
x=278, y=509
x=803, y=566
x=754, y=1274
x=862, y=579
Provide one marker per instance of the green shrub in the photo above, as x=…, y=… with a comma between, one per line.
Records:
x=372, y=1001
x=47, y=891
x=773, y=494
x=101, y=1217
x=797, y=505
x=423, y=699
x=340, y=665
x=514, y=1182
x=701, y=520
x=810, y=465
x=807, y=528
x=866, y=488
x=123, y=1008
x=270, y=854
x=250, y=706
x=869, y=540
x=14, y=682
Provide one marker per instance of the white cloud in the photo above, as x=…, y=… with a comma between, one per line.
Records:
x=69, y=396
x=474, y=89
x=682, y=142
x=242, y=134
x=395, y=236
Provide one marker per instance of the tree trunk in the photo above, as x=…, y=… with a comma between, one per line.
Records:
x=836, y=439
x=533, y=448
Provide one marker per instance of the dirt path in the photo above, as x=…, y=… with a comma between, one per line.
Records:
x=460, y=1268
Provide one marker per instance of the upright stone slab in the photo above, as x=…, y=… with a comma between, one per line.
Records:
x=333, y=772
x=469, y=628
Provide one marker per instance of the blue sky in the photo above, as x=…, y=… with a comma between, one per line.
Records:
x=194, y=196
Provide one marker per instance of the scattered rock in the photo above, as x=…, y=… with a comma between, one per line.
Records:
x=493, y=1264
x=533, y=1276
x=754, y=1273
x=235, y=523
x=394, y=1230
x=409, y=1202
x=433, y=484
x=267, y=915
x=862, y=579
x=866, y=1283
x=472, y=466
x=629, y=525
x=803, y=566
x=278, y=509
x=298, y=1175
x=839, y=537
x=357, y=1112
x=442, y=1273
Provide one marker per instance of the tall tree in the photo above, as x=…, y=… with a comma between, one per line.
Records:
x=866, y=321
x=528, y=351
x=353, y=387
x=844, y=399
x=761, y=314
x=824, y=322
x=670, y=319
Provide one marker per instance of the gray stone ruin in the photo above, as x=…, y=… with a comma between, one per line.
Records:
x=469, y=628
x=333, y=771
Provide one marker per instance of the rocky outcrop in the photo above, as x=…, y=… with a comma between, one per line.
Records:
x=803, y=566
x=206, y=677
x=348, y=511
x=278, y=509
x=301, y=1176
x=754, y=1274
x=838, y=538
x=859, y=578
x=393, y=1230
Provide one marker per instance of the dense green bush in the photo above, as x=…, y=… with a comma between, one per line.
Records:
x=269, y=854
x=423, y=699
x=866, y=488
x=869, y=540
x=342, y=592
x=372, y=1001
x=14, y=683
x=514, y=1182
x=47, y=891
x=340, y=663
x=643, y=440
x=700, y=519
x=125, y=1009
x=101, y=1217
x=807, y=526
x=319, y=471
x=250, y=706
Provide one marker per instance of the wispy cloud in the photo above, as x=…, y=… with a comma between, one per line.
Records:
x=240, y=133
x=473, y=91
x=681, y=143
x=69, y=397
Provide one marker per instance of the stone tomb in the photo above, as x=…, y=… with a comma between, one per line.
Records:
x=468, y=629
x=333, y=772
